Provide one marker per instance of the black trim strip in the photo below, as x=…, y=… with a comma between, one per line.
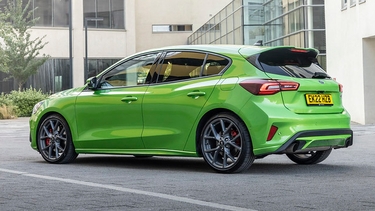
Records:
x=308, y=133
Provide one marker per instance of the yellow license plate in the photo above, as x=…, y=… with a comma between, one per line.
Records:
x=319, y=99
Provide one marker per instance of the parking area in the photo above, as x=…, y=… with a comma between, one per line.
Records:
x=345, y=181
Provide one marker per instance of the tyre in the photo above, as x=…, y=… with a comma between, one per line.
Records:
x=226, y=145
x=54, y=140
x=312, y=157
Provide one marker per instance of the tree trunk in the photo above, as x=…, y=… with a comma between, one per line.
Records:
x=20, y=84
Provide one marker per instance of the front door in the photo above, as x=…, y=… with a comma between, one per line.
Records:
x=110, y=118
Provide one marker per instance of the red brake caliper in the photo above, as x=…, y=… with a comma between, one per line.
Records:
x=48, y=140
x=234, y=133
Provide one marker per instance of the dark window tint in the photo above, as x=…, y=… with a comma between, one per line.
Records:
x=296, y=63
x=214, y=65
x=180, y=65
x=98, y=65
x=130, y=73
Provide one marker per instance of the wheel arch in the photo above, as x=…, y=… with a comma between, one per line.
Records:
x=205, y=118
x=44, y=116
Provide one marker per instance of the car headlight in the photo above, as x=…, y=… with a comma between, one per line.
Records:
x=37, y=106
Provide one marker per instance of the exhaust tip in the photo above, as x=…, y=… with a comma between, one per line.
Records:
x=348, y=142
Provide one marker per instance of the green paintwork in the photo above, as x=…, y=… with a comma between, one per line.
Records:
x=163, y=119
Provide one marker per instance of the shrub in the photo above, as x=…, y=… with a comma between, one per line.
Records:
x=24, y=101
x=4, y=100
x=7, y=112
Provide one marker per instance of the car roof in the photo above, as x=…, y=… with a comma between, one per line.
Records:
x=245, y=50
x=216, y=48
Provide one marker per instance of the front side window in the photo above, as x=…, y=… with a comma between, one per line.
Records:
x=132, y=72
x=109, y=13
x=96, y=66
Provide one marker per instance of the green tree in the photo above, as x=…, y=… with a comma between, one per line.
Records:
x=19, y=53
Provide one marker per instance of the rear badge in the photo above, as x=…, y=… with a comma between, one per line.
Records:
x=320, y=81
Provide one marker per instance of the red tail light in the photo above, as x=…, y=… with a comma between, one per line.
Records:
x=341, y=87
x=297, y=50
x=268, y=87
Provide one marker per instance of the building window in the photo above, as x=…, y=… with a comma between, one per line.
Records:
x=344, y=4
x=48, y=12
x=51, y=13
x=353, y=3
x=112, y=12
x=209, y=26
x=172, y=28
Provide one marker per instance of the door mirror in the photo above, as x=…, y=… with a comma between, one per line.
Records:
x=92, y=83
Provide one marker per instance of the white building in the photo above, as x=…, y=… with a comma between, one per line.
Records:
x=350, y=34
x=127, y=27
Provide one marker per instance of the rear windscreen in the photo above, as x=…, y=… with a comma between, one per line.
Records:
x=298, y=63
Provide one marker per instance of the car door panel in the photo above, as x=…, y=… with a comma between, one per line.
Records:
x=106, y=121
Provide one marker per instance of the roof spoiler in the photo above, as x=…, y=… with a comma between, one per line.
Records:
x=259, y=43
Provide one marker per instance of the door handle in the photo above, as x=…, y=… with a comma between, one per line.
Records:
x=129, y=99
x=196, y=95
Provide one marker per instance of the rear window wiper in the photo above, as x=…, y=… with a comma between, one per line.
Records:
x=321, y=75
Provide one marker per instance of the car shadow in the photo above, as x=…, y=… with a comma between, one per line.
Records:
x=199, y=165
x=151, y=163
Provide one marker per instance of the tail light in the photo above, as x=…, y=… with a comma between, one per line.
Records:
x=268, y=87
x=341, y=87
x=298, y=50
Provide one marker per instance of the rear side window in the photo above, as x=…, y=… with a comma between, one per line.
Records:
x=180, y=66
x=297, y=63
x=214, y=65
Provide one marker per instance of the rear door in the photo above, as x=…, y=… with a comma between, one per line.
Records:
x=185, y=81
x=317, y=92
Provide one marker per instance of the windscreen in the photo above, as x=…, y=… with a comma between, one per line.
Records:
x=298, y=63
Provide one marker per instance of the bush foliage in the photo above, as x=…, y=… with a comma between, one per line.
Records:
x=20, y=103
x=7, y=112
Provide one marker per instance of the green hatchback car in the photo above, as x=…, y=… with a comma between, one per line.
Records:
x=229, y=104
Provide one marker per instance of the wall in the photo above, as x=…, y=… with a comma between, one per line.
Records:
x=369, y=78
x=346, y=59
x=149, y=12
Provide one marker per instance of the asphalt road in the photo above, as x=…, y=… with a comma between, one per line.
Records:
x=345, y=181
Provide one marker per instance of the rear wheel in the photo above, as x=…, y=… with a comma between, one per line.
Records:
x=225, y=143
x=55, y=140
x=312, y=157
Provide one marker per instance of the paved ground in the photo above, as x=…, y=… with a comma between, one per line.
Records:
x=345, y=181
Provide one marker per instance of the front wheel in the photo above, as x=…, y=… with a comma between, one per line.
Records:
x=226, y=145
x=312, y=157
x=55, y=140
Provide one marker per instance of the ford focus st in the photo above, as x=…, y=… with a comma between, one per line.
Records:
x=227, y=104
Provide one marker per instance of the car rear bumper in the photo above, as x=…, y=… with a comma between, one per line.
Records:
x=317, y=140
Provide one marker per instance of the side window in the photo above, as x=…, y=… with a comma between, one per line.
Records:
x=130, y=73
x=214, y=65
x=180, y=66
